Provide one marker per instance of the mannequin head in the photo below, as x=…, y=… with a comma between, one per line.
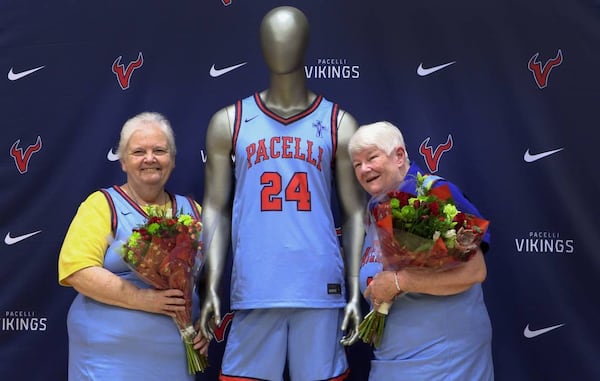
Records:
x=284, y=38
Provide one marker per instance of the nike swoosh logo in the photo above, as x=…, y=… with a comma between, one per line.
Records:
x=12, y=76
x=528, y=333
x=530, y=158
x=12, y=240
x=112, y=156
x=214, y=72
x=421, y=71
x=251, y=118
x=125, y=213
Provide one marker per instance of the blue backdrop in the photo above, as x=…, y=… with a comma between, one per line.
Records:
x=501, y=97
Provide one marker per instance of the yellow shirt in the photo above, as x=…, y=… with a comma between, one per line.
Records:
x=87, y=239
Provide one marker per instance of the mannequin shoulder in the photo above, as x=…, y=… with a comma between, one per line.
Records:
x=223, y=117
x=220, y=125
x=347, y=125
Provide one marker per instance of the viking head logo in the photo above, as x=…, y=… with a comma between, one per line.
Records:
x=432, y=157
x=21, y=157
x=124, y=74
x=541, y=72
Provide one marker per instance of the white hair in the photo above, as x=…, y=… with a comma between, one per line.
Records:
x=382, y=135
x=138, y=122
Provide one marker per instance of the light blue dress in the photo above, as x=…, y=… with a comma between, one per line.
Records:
x=109, y=343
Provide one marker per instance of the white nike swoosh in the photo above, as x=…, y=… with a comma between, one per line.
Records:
x=530, y=158
x=111, y=156
x=421, y=71
x=214, y=72
x=12, y=76
x=536, y=332
x=12, y=240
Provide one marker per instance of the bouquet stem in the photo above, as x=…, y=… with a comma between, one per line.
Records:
x=370, y=330
x=195, y=361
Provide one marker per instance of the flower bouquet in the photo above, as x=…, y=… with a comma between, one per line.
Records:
x=165, y=253
x=423, y=231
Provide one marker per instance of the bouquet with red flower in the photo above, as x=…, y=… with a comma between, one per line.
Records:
x=424, y=231
x=165, y=253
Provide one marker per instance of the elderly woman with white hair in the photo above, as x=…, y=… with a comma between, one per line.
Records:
x=119, y=327
x=438, y=326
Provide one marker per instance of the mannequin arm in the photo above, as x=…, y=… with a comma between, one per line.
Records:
x=352, y=204
x=216, y=211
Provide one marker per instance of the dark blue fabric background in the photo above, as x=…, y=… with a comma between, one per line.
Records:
x=543, y=264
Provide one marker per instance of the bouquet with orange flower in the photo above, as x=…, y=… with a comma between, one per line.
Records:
x=165, y=252
x=424, y=231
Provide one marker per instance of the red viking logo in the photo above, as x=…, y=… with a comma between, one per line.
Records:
x=22, y=159
x=124, y=75
x=541, y=73
x=219, y=331
x=432, y=157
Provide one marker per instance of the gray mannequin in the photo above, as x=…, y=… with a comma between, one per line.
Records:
x=287, y=104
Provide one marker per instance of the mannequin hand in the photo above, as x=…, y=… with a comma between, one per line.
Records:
x=352, y=318
x=201, y=344
x=210, y=315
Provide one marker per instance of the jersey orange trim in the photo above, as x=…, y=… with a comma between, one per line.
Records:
x=342, y=376
x=263, y=107
x=236, y=125
x=334, y=130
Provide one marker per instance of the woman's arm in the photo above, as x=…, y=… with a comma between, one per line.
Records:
x=384, y=287
x=447, y=282
x=80, y=264
x=104, y=286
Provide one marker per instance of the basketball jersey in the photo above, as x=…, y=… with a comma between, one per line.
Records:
x=285, y=249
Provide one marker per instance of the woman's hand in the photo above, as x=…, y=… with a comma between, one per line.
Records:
x=382, y=288
x=201, y=344
x=166, y=302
